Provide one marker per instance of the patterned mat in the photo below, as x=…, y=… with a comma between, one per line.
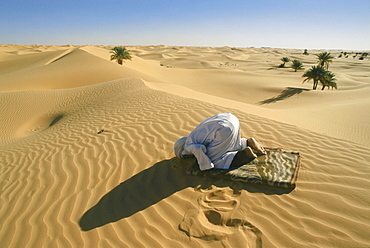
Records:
x=276, y=168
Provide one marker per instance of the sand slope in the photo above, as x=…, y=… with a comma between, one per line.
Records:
x=86, y=154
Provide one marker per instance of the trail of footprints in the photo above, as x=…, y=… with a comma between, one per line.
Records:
x=213, y=220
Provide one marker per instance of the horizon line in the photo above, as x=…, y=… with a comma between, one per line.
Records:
x=261, y=47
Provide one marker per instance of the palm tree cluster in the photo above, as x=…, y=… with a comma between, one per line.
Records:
x=345, y=54
x=363, y=55
x=320, y=73
x=296, y=64
x=120, y=53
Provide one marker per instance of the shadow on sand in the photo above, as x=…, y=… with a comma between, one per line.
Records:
x=288, y=92
x=139, y=192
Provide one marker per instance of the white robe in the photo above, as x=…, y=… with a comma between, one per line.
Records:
x=215, y=142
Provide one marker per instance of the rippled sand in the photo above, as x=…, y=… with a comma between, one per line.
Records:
x=86, y=148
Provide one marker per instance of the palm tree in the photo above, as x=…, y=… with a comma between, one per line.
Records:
x=324, y=59
x=285, y=60
x=363, y=56
x=315, y=73
x=296, y=65
x=120, y=53
x=305, y=52
x=329, y=80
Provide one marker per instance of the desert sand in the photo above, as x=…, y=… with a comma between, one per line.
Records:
x=86, y=148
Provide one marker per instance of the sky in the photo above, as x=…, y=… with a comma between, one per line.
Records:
x=302, y=24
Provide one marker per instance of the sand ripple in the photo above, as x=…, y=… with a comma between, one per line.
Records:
x=93, y=166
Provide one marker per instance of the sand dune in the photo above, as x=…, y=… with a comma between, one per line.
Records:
x=86, y=149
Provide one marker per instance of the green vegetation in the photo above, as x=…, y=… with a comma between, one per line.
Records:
x=363, y=56
x=284, y=60
x=360, y=56
x=296, y=65
x=319, y=74
x=324, y=59
x=329, y=81
x=120, y=53
x=316, y=74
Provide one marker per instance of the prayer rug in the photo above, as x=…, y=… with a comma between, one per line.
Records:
x=276, y=168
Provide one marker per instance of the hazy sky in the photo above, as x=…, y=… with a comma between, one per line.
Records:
x=323, y=24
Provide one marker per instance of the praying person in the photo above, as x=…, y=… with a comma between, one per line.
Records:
x=216, y=143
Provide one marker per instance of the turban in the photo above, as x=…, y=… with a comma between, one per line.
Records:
x=179, y=146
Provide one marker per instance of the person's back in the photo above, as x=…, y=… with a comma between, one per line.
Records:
x=214, y=142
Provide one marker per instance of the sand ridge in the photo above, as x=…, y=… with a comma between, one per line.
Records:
x=250, y=76
x=86, y=160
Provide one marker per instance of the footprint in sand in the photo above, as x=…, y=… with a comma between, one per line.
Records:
x=213, y=220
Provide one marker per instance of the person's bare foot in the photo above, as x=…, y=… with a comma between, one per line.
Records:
x=252, y=142
x=250, y=153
